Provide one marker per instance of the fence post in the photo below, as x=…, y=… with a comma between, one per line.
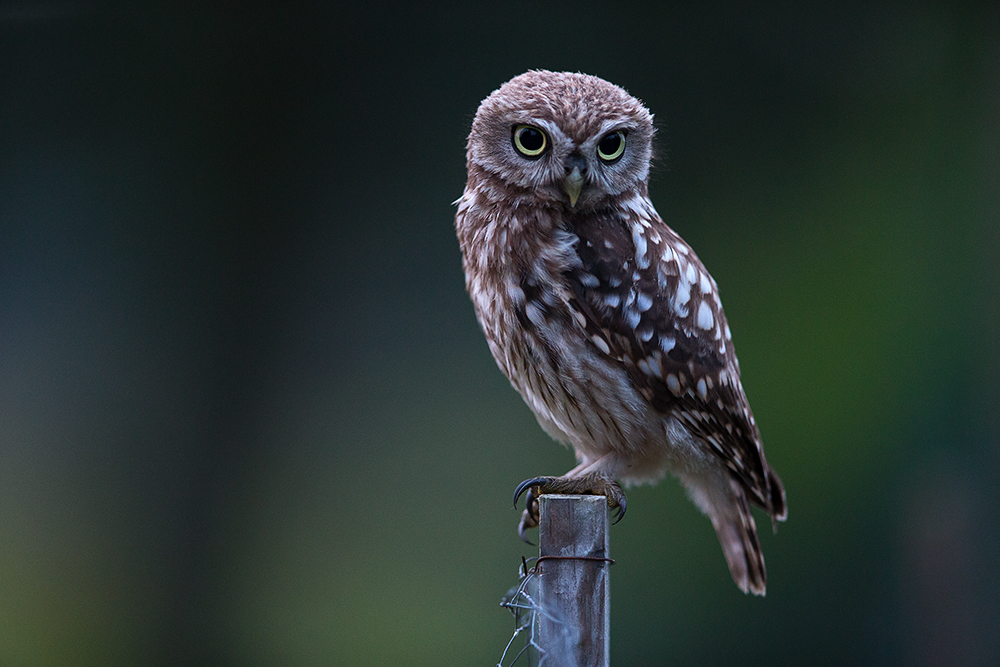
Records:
x=573, y=582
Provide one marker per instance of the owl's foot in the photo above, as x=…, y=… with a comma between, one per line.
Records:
x=594, y=484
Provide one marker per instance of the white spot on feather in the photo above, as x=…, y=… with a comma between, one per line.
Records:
x=601, y=344
x=702, y=389
x=636, y=205
x=705, y=318
x=682, y=295
x=705, y=284
x=691, y=273
x=639, y=239
x=648, y=366
x=644, y=302
x=673, y=384
x=667, y=343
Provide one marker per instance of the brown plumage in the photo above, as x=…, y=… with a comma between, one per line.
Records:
x=602, y=317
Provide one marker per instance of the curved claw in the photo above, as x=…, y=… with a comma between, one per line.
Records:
x=535, y=481
x=522, y=531
x=621, y=510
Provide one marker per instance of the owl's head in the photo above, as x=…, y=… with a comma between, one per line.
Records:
x=567, y=138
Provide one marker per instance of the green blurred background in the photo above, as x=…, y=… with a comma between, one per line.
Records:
x=247, y=416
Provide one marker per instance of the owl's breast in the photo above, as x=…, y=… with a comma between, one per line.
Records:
x=524, y=305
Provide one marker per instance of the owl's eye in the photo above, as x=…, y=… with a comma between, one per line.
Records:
x=530, y=141
x=612, y=146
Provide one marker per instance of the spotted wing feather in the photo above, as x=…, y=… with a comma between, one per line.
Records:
x=647, y=301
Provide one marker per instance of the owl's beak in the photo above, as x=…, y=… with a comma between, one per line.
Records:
x=573, y=184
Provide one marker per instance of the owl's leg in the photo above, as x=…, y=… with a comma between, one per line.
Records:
x=583, y=480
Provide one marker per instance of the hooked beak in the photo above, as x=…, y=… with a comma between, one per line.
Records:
x=573, y=184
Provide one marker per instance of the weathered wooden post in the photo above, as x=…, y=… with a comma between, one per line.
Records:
x=573, y=581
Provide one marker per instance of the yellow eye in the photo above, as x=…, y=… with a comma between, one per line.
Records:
x=612, y=146
x=530, y=141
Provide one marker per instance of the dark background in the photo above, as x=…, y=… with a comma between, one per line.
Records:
x=246, y=414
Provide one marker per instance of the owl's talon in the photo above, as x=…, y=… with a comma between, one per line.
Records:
x=529, y=518
x=527, y=521
x=527, y=484
x=593, y=484
x=620, y=514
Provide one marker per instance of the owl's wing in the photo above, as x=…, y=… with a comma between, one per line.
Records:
x=647, y=301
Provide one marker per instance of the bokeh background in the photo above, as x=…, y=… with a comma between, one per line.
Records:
x=246, y=414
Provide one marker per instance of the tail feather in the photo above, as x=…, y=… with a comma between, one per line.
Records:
x=724, y=499
x=738, y=536
x=779, y=507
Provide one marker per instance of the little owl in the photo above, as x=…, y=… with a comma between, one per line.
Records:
x=601, y=316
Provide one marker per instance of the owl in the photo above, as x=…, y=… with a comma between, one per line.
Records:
x=601, y=316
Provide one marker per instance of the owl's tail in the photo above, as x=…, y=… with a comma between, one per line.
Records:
x=738, y=536
x=724, y=500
